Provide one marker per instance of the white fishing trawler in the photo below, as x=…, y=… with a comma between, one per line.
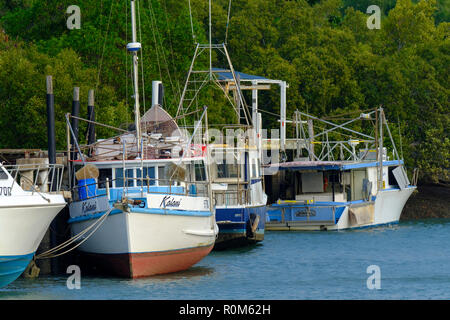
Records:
x=147, y=195
x=350, y=184
x=27, y=208
x=236, y=166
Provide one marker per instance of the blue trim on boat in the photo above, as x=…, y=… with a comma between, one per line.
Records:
x=316, y=204
x=341, y=166
x=236, y=219
x=116, y=193
x=92, y=216
x=370, y=164
x=144, y=211
x=171, y=212
x=11, y=267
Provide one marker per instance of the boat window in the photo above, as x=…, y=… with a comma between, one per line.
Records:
x=148, y=172
x=200, y=173
x=103, y=174
x=163, y=180
x=391, y=178
x=119, y=177
x=312, y=182
x=254, y=172
x=358, y=177
x=258, y=167
x=3, y=174
x=130, y=177
x=226, y=170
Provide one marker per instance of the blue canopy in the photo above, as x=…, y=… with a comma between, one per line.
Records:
x=330, y=165
x=226, y=75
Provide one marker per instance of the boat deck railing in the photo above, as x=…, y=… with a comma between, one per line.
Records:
x=148, y=186
x=278, y=213
x=37, y=177
x=231, y=197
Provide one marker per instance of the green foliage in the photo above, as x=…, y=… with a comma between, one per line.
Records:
x=22, y=95
x=322, y=48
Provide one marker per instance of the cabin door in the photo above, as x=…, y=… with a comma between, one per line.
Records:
x=357, y=184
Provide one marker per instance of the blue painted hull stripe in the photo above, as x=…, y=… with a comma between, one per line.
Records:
x=355, y=228
x=11, y=267
x=144, y=211
x=340, y=166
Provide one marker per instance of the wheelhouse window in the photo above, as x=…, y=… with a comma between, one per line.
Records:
x=103, y=174
x=227, y=170
x=118, y=178
x=148, y=177
x=134, y=177
x=254, y=170
x=163, y=179
x=200, y=172
x=129, y=175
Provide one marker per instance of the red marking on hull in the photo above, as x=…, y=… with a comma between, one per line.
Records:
x=137, y=265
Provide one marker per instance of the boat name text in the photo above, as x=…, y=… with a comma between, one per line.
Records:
x=88, y=206
x=169, y=201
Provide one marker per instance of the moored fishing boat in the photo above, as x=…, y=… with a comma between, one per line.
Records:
x=154, y=225
x=236, y=166
x=363, y=188
x=239, y=197
x=148, y=194
x=26, y=211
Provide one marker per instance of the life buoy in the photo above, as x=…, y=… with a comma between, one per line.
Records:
x=325, y=184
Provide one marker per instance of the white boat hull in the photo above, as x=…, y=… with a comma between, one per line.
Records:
x=388, y=207
x=135, y=245
x=24, y=221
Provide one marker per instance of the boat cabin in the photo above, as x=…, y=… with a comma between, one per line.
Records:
x=235, y=172
x=327, y=181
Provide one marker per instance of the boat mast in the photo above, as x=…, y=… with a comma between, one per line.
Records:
x=210, y=44
x=134, y=47
x=191, y=89
x=380, y=153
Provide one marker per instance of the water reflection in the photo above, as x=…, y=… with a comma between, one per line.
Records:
x=181, y=276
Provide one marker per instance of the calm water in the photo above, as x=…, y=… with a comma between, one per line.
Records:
x=413, y=257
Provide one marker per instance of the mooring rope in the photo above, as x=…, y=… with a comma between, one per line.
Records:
x=51, y=253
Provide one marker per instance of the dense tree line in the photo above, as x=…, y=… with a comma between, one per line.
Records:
x=322, y=48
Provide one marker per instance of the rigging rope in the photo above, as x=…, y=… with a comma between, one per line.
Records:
x=104, y=45
x=126, y=59
x=153, y=17
x=228, y=22
x=172, y=51
x=192, y=24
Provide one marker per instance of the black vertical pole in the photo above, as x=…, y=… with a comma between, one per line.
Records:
x=74, y=124
x=51, y=122
x=51, y=157
x=75, y=113
x=91, y=117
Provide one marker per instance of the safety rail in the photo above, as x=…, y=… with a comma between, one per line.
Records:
x=191, y=188
x=37, y=177
x=231, y=197
x=309, y=207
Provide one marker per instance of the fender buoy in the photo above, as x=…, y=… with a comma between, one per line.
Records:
x=325, y=184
